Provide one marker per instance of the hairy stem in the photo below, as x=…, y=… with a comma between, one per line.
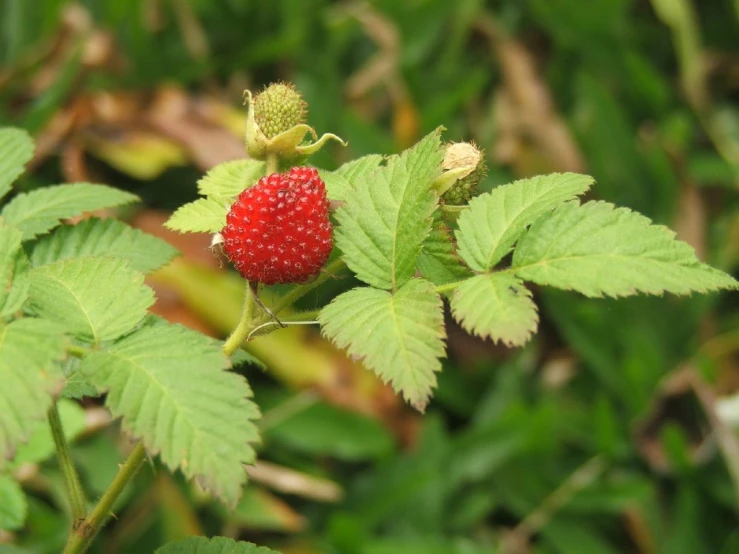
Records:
x=302, y=318
x=84, y=533
x=299, y=291
x=245, y=325
x=76, y=494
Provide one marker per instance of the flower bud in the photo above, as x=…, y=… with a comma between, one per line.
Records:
x=463, y=168
x=275, y=124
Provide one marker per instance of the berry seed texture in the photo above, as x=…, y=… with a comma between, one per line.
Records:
x=278, y=231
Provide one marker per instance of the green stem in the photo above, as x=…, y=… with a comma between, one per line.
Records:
x=273, y=164
x=84, y=533
x=301, y=290
x=306, y=315
x=301, y=318
x=443, y=289
x=76, y=494
x=245, y=325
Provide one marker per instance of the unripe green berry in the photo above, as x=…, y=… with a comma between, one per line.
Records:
x=459, y=155
x=279, y=107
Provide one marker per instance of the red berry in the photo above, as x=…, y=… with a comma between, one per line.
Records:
x=278, y=231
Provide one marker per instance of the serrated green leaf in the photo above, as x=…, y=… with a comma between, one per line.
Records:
x=205, y=215
x=336, y=185
x=216, y=545
x=40, y=445
x=241, y=357
x=77, y=387
x=360, y=168
x=41, y=210
x=229, y=179
x=438, y=261
x=388, y=215
x=96, y=299
x=598, y=249
x=354, y=172
x=16, y=150
x=14, y=281
x=494, y=221
x=13, y=508
x=400, y=335
x=170, y=386
x=29, y=349
x=498, y=306
x=103, y=237
x=18, y=293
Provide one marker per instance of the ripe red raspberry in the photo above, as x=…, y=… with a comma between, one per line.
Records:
x=278, y=231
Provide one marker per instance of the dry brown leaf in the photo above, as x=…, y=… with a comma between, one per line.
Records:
x=290, y=481
x=690, y=221
x=529, y=109
x=382, y=71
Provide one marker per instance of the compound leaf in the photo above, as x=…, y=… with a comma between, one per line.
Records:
x=438, y=261
x=229, y=179
x=496, y=305
x=171, y=387
x=598, y=249
x=38, y=211
x=14, y=281
x=400, y=335
x=96, y=299
x=388, y=215
x=29, y=350
x=494, y=221
x=336, y=185
x=103, y=237
x=205, y=215
x=352, y=173
x=360, y=168
x=16, y=150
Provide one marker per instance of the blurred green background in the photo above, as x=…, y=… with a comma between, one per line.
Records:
x=612, y=432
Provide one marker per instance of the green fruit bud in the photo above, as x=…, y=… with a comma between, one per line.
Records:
x=464, y=166
x=275, y=125
x=278, y=108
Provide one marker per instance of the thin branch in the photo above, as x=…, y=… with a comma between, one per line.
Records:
x=76, y=493
x=84, y=533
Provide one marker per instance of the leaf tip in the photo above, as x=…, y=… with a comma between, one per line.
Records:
x=419, y=404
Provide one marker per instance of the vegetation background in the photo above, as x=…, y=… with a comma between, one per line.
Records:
x=610, y=433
